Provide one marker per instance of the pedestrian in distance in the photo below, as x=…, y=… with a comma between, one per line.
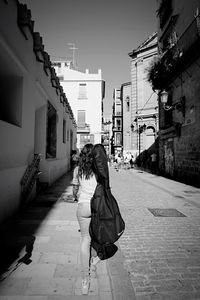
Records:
x=75, y=182
x=132, y=161
x=119, y=162
x=85, y=176
x=74, y=158
x=154, y=163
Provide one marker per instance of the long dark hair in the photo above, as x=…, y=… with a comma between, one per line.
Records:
x=86, y=162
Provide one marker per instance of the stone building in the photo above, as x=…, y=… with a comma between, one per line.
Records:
x=144, y=105
x=126, y=116
x=37, y=126
x=176, y=77
x=117, y=130
x=85, y=93
x=107, y=134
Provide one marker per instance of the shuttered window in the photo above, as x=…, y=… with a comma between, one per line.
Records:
x=82, y=91
x=81, y=118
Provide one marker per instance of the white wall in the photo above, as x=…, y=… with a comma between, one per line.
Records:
x=92, y=105
x=19, y=143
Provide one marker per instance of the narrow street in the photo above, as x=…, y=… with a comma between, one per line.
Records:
x=158, y=257
x=161, y=254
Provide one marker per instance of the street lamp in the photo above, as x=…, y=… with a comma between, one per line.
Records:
x=179, y=105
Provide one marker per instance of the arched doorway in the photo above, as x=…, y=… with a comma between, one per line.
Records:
x=150, y=136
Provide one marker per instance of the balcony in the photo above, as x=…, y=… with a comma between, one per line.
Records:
x=117, y=128
x=176, y=58
x=83, y=128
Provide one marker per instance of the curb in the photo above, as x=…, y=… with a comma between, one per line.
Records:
x=121, y=285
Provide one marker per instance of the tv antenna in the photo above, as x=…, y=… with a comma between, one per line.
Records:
x=73, y=48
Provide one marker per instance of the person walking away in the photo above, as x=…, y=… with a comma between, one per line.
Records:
x=87, y=185
x=119, y=162
x=154, y=162
x=74, y=158
x=132, y=161
x=75, y=183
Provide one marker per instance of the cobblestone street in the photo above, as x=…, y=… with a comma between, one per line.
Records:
x=158, y=256
x=161, y=253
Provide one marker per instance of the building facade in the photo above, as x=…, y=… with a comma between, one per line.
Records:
x=85, y=93
x=126, y=117
x=177, y=73
x=107, y=134
x=117, y=124
x=144, y=105
x=37, y=126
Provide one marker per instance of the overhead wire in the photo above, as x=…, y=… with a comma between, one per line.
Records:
x=142, y=107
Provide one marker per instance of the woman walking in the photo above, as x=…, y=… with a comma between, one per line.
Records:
x=87, y=184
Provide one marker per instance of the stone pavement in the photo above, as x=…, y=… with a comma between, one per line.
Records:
x=39, y=254
x=158, y=257
x=161, y=243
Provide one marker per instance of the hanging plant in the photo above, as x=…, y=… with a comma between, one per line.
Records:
x=156, y=73
x=162, y=67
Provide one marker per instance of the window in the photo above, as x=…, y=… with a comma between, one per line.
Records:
x=64, y=131
x=92, y=138
x=118, y=124
x=118, y=109
x=81, y=118
x=86, y=138
x=118, y=139
x=127, y=104
x=82, y=91
x=11, y=99
x=51, y=132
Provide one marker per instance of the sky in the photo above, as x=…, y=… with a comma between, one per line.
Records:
x=104, y=31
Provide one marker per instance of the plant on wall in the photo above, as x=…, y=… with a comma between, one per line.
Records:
x=155, y=73
x=162, y=67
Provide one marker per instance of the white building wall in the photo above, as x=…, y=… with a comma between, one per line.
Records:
x=20, y=142
x=92, y=105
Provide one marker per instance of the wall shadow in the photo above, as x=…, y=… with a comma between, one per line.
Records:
x=17, y=235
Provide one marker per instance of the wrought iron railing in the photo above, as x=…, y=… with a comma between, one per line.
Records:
x=83, y=128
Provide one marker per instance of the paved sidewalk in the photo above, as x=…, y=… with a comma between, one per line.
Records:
x=40, y=252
